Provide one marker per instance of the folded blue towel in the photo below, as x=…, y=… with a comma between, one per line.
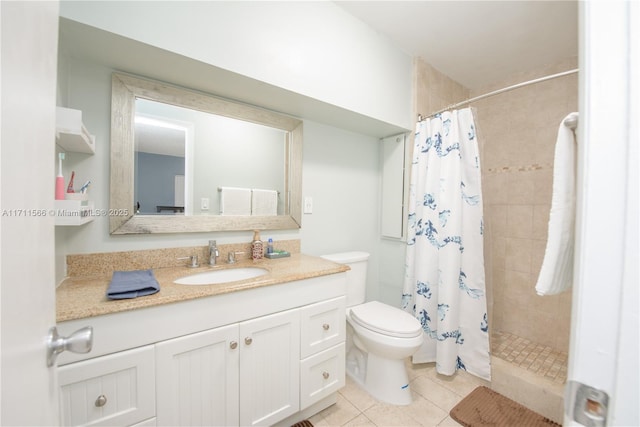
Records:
x=131, y=284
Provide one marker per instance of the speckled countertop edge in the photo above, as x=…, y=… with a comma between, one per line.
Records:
x=82, y=297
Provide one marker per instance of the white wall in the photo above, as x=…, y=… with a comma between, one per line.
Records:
x=308, y=59
x=315, y=49
x=340, y=172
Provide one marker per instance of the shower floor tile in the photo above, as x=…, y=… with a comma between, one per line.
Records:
x=536, y=358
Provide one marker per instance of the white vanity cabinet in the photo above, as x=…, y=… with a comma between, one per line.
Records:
x=322, y=368
x=245, y=373
x=269, y=368
x=197, y=379
x=117, y=389
x=258, y=357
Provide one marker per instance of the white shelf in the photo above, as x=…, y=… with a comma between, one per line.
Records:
x=71, y=135
x=73, y=212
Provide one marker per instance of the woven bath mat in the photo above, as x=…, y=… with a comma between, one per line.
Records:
x=303, y=423
x=484, y=407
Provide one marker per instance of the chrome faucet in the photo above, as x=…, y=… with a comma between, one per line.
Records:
x=193, y=260
x=213, y=252
x=231, y=257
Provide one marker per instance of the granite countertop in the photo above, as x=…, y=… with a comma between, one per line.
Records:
x=85, y=296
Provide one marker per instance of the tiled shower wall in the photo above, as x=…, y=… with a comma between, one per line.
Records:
x=434, y=90
x=517, y=131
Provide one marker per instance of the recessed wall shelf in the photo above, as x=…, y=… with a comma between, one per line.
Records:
x=71, y=135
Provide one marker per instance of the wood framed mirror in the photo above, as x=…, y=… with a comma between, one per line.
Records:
x=248, y=171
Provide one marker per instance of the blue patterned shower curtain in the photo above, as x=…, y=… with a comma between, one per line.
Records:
x=444, y=285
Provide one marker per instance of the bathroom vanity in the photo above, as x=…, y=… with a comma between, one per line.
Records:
x=261, y=351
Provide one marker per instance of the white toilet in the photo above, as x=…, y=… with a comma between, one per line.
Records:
x=379, y=337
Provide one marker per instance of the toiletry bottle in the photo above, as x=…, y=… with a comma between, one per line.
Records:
x=257, y=246
x=70, y=187
x=270, y=246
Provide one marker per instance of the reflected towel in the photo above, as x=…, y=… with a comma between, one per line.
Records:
x=132, y=284
x=235, y=201
x=264, y=202
x=556, y=274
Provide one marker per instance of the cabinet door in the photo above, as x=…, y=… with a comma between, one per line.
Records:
x=197, y=379
x=117, y=389
x=395, y=176
x=269, y=368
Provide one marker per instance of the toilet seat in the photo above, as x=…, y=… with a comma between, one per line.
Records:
x=386, y=320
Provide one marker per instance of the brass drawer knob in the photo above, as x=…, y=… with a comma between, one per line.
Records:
x=248, y=340
x=325, y=326
x=325, y=375
x=233, y=345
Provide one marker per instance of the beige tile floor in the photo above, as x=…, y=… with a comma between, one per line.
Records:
x=433, y=397
x=433, y=394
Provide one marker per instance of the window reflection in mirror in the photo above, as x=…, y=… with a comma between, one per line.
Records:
x=183, y=157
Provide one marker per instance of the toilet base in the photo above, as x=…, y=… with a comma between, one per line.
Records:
x=385, y=379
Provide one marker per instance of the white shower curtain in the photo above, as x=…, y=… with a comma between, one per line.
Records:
x=444, y=284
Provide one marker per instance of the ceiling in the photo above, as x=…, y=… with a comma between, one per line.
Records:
x=476, y=43
x=157, y=138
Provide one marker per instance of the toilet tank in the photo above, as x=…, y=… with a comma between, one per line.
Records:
x=356, y=277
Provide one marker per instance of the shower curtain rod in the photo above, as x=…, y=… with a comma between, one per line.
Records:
x=499, y=91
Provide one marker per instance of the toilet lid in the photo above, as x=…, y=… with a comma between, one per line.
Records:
x=386, y=320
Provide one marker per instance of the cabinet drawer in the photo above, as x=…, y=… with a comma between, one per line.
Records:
x=321, y=375
x=322, y=326
x=151, y=422
x=117, y=389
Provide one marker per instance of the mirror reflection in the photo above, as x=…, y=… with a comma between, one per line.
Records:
x=189, y=162
x=185, y=161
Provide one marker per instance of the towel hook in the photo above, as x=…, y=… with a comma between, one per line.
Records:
x=571, y=121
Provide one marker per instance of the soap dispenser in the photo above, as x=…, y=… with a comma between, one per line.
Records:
x=257, y=247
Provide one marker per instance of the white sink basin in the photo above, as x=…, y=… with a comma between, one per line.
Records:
x=222, y=276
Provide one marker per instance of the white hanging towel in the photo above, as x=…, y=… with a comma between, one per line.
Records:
x=556, y=274
x=235, y=201
x=264, y=202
